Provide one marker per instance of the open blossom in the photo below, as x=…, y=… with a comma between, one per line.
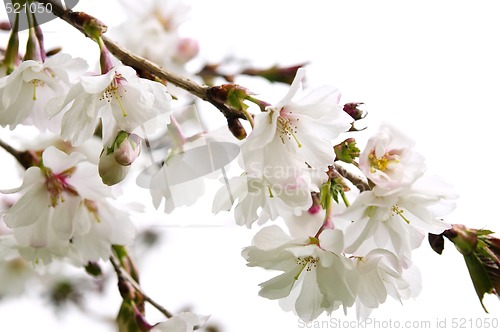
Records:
x=398, y=221
x=390, y=161
x=24, y=93
x=299, y=130
x=380, y=275
x=119, y=98
x=64, y=211
x=316, y=277
x=260, y=199
x=152, y=31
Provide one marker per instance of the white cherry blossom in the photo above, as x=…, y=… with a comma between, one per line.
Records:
x=152, y=31
x=389, y=160
x=299, y=131
x=399, y=220
x=24, y=93
x=316, y=276
x=380, y=275
x=64, y=208
x=260, y=199
x=119, y=98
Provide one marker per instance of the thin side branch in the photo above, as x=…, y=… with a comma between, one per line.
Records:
x=121, y=273
x=26, y=159
x=356, y=180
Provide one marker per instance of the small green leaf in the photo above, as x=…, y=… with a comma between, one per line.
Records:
x=479, y=276
x=481, y=252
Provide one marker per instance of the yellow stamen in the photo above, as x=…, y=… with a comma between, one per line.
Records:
x=382, y=163
x=285, y=129
x=117, y=96
x=397, y=210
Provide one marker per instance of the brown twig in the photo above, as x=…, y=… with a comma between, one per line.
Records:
x=121, y=273
x=25, y=158
x=356, y=180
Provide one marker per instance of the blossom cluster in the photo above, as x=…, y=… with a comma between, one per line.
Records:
x=336, y=253
x=344, y=221
x=66, y=209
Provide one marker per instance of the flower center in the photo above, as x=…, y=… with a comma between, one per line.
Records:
x=308, y=262
x=287, y=126
x=36, y=83
x=396, y=210
x=112, y=92
x=383, y=162
x=56, y=185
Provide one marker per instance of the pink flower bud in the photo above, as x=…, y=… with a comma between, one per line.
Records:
x=187, y=49
x=127, y=149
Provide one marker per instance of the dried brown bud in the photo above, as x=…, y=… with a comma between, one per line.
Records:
x=353, y=110
x=236, y=128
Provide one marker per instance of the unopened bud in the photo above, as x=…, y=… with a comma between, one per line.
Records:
x=316, y=206
x=346, y=151
x=5, y=26
x=236, y=128
x=353, y=110
x=187, y=49
x=275, y=73
x=91, y=25
x=464, y=239
x=110, y=171
x=231, y=94
x=141, y=321
x=127, y=291
x=127, y=148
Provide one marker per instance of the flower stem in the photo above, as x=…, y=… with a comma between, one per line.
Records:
x=262, y=104
x=249, y=117
x=328, y=221
x=344, y=198
x=356, y=180
x=25, y=158
x=122, y=273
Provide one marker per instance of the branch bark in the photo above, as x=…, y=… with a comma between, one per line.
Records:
x=121, y=273
x=356, y=180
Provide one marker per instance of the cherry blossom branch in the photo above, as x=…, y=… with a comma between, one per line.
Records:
x=203, y=92
x=25, y=158
x=356, y=180
x=121, y=273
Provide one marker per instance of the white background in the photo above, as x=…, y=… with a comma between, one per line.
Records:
x=431, y=68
